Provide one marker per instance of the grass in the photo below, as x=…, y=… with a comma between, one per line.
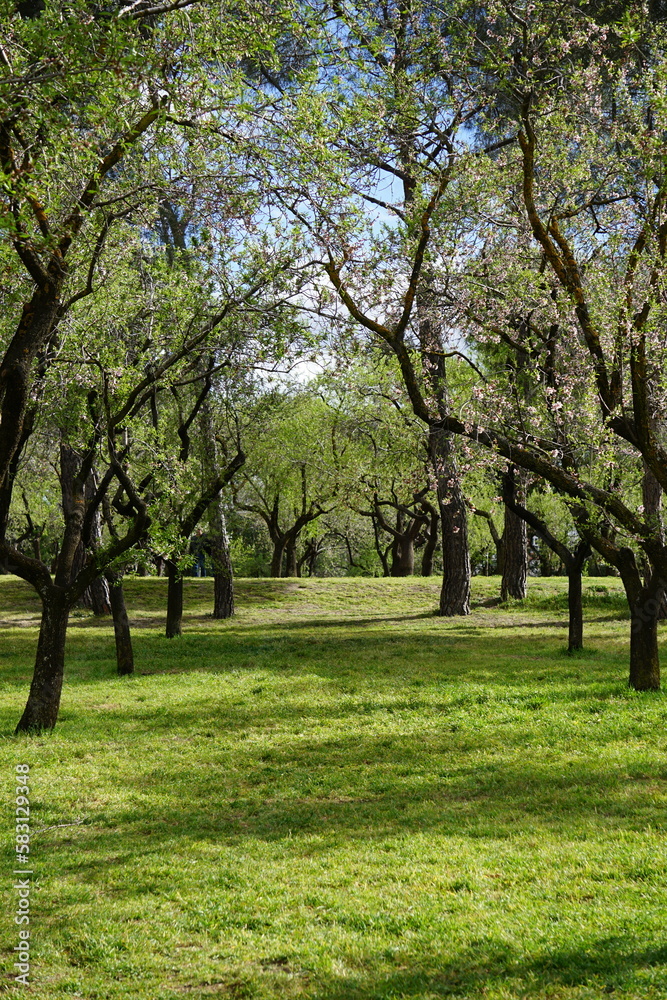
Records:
x=339, y=796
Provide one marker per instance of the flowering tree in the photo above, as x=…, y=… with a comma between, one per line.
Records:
x=575, y=271
x=371, y=153
x=95, y=108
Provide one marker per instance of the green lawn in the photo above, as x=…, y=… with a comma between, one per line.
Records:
x=338, y=795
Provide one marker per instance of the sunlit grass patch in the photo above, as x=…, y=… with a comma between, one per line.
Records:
x=338, y=795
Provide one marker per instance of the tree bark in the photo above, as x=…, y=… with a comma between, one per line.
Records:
x=277, y=558
x=174, y=600
x=97, y=596
x=645, y=602
x=100, y=598
x=290, y=557
x=644, y=656
x=575, y=634
x=515, y=547
x=455, y=592
x=430, y=546
x=223, y=571
x=121, y=624
x=403, y=553
x=41, y=710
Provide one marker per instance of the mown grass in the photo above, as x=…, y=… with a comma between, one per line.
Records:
x=338, y=795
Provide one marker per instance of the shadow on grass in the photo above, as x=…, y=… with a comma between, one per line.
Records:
x=606, y=964
x=332, y=650
x=363, y=788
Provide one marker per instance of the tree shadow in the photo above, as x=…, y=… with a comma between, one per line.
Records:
x=605, y=964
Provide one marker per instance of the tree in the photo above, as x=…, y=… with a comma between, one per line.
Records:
x=393, y=122
x=593, y=211
x=93, y=106
x=293, y=472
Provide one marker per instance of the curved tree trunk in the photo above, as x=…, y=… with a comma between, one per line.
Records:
x=455, y=592
x=41, y=711
x=121, y=624
x=174, y=600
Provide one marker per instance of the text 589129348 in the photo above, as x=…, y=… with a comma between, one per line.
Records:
x=22, y=885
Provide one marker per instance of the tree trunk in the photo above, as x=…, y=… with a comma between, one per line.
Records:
x=121, y=625
x=41, y=711
x=644, y=657
x=430, y=546
x=403, y=556
x=574, y=563
x=645, y=602
x=174, y=600
x=100, y=597
x=223, y=572
x=290, y=558
x=277, y=558
x=515, y=549
x=313, y=549
x=455, y=592
x=652, y=497
x=575, y=637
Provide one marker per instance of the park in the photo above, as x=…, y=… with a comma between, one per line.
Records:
x=339, y=794
x=333, y=445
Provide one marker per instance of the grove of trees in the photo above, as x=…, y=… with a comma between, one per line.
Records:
x=296, y=287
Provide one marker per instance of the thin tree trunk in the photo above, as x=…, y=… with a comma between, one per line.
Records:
x=515, y=548
x=121, y=624
x=41, y=711
x=223, y=572
x=174, y=600
x=315, y=551
x=430, y=546
x=575, y=636
x=574, y=563
x=382, y=552
x=455, y=592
